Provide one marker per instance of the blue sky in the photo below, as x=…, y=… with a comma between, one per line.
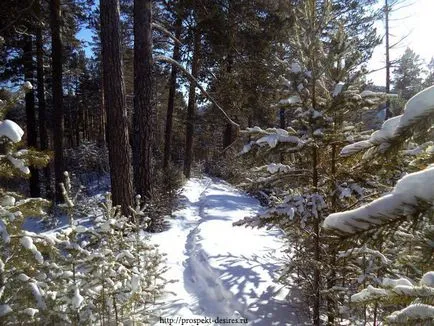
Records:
x=414, y=19
x=86, y=35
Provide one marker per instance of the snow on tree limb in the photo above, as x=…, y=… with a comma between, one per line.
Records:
x=406, y=195
x=418, y=109
x=11, y=130
x=413, y=313
x=271, y=137
x=191, y=78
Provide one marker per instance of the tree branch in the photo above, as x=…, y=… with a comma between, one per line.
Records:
x=166, y=32
x=191, y=78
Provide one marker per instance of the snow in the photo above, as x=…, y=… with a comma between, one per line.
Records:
x=272, y=136
x=23, y=277
x=4, y=309
x=30, y=312
x=273, y=140
x=406, y=194
x=427, y=279
x=11, y=130
x=4, y=232
x=316, y=114
x=278, y=167
x=135, y=283
x=388, y=282
x=338, y=89
x=7, y=200
x=28, y=85
x=291, y=100
x=77, y=299
x=19, y=164
x=27, y=243
x=367, y=93
x=369, y=293
x=295, y=67
x=417, y=311
x=387, y=131
x=419, y=107
x=365, y=250
x=38, y=296
x=221, y=270
x=355, y=148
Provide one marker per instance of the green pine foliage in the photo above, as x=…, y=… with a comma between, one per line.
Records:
x=113, y=273
x=299, y=169
x=399, y=224
x=24, y=257
x=407, y=76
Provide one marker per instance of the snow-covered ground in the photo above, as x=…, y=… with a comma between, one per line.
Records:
x=219, y=270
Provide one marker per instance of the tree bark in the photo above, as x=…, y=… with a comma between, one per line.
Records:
x=316, y=272
x=102, y=117
x=188, y=158
x=227, y=135
x=142, y=120
x=58, y=119
x=114, y=103
x=42, y=111
x=282, y=118
x=316, y=227
x=32, y=135
x=171, y=101
x=388, y=113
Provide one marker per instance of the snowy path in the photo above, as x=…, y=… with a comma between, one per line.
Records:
x=221, y=270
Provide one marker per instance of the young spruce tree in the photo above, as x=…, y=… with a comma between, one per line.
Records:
x=324, y=103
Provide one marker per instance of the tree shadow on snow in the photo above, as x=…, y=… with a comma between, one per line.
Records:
x=245, y=275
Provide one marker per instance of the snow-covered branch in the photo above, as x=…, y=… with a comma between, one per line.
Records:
x=403, y=200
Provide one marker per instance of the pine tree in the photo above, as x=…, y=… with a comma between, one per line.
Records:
x=58, y=121
x=22, y=263
x=429, y=79
x=114, y=102
x=400, y=220
x=142, y=118
x=407, y=79
x=324, y=103
x=172, y=90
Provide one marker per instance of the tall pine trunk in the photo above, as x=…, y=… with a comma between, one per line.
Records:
x=114, y=103
x=58, y=127
x=315, y=180
x=171, y=101
x=102, y=115
x=32, y=135
x=317, y=257
x=388, y=113
x=188, y=157
x=142, y=120
x=42, y=110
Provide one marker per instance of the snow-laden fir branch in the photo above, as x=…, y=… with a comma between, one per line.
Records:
x=271, y=137
x=193, y=79
x=420, y=107
x=403, y=200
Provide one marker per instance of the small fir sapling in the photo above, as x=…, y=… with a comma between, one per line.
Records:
x=24, y=256
x=116, y=274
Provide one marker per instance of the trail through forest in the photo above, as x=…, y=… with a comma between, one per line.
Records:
x=220, y=270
